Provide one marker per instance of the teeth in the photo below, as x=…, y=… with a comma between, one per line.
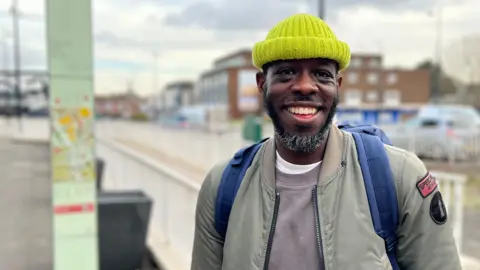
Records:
x=302, y=110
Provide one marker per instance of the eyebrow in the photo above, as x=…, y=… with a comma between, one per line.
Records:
x=322, y=64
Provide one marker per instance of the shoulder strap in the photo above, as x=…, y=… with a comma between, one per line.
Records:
x=380, y=188
x=230, y=183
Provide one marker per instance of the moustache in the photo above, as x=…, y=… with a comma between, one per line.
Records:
x=297, y=97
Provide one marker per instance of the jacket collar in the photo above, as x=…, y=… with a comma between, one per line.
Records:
x=335, y=153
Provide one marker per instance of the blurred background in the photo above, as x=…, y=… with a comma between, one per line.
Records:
x=174, y=93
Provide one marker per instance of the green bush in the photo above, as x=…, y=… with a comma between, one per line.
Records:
x=140, y=117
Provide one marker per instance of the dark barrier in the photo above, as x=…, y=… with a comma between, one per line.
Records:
x=99, y=167
x=123, y=219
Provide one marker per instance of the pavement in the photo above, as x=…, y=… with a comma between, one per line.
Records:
x=471, y=233
x=25, y=206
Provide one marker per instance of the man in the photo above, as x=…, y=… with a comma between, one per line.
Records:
x=302, y=203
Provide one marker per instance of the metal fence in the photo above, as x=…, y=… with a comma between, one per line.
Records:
x=453, y=148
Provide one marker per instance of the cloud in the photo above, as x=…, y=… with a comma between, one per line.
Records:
x=260, y=15
x=233, y=15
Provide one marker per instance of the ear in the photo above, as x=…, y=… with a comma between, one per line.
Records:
x=339, y=80
x=260, y=81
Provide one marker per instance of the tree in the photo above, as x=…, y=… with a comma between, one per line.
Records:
x=447, y=84
x=462, y=59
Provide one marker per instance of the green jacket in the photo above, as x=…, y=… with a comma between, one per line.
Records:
x=347, y=234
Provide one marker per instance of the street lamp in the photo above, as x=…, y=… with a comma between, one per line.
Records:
x=438, y=50
x=155, y=72
x=321, y=9
x=17, y=61
x=3, y=40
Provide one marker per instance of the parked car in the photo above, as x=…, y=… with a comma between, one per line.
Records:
x=179, y=121
x=447, y=132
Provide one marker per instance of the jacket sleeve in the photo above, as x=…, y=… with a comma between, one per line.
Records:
x=207, y=251
x=425, y=234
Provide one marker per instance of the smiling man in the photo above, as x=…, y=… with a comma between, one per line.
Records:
x=301, y=201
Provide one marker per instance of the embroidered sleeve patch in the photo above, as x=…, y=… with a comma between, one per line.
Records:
x=427, y=185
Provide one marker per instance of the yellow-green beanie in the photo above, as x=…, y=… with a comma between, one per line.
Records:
x=301, y=36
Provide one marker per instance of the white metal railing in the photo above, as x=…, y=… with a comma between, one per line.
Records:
x=201, y=148
x=175, y=197
x=206, y=149
x=452, y=186
x=455, y=147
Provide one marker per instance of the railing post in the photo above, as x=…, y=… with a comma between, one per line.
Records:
x=164, y=207
x=447, y=192
x=458, y=212
x=411, y=140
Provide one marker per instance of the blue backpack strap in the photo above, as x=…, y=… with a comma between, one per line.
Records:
x=380, y=188
x=230, y=183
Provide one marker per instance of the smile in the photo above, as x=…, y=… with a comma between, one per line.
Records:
x=303, y=115
x=302, y=110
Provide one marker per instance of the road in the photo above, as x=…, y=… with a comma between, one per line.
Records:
x=25, y=206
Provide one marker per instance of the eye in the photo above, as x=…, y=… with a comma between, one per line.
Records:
x=322, y=74
x=285, y=71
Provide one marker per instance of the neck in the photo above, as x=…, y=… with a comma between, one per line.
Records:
x=301, y=158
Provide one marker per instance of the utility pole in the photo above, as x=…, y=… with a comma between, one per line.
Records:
x=6, y=67
x=321, y=9
x=16, y=54
x=3, y=40
x=155, y=72
x=437, y=76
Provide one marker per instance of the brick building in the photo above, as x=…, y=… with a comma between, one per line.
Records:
x=118, y=105
x=231, y=82
x=367, y=82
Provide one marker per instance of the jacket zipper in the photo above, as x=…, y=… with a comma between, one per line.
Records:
x=317, y=227
x=272, y=231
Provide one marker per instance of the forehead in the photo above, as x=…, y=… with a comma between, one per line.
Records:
x=305, y=63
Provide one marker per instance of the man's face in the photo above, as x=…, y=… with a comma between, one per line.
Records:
x=301, y=97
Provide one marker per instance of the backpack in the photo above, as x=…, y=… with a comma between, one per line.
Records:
x=377, y=176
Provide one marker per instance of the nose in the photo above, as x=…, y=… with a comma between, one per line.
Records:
x=304, y=84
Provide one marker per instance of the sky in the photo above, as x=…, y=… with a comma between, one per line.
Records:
x=188, y=35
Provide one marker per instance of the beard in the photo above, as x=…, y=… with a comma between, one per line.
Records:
x=297, y=142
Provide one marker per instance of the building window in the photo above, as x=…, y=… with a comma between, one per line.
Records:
x=391, y=97
x=353, y=97
x=392, y=78
x=372, y=96
x=374, y=63
x=372, y=78
x=356, y=62
x=352, y=77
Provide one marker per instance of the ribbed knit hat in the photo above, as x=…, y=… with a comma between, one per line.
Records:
x=301, y=36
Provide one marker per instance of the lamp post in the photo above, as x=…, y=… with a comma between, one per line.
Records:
x=17, y=61
x=3, y=40
x=321, y=9
x=6, y=66
x=155, y=72
x=437, y=76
